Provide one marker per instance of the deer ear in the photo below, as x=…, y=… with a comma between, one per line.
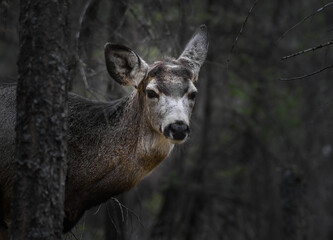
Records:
x=124, y=65
x=196, y=51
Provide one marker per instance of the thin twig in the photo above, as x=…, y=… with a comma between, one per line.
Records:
x=82, y=71
x=143, y=25
x=84, y=76
x=307, y=75
x=83, y=14
x=304, y=19
x=120, y=22
x=308, y=50
x=99, y=207
x=241, y=31
x=128, y=210
x=74, y=235
x=121, y=209
x=80, y=62
x=110, y=217
x=215, y=63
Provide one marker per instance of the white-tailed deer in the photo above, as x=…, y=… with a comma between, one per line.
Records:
x=113, y=145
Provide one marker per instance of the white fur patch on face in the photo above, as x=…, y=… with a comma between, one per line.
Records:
x=176, y=109
x=170, y=111
x=192, y=88
x=152, y=86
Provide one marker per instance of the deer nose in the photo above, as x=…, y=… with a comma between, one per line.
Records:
x=178, y=130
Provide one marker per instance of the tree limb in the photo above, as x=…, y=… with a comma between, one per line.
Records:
x=81, y=64
x=241, y=31
x=307, y=75
x=304, y=19
x=144, y=25
x=308, y=50
x=82, y=16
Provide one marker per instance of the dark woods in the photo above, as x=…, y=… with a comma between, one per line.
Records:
x=258, y=162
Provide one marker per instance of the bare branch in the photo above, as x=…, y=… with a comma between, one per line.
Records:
x=99, y=207
x=120, y=23
x=144, y=25
x=241, y=31
x=73, y=235
x=215, y=63
x=308, y=50
x=307, y=75
x=81, y=64
x=110, y=217
x=82, y=71
x=304, y=19
x=127, y=209
x=77, y=39
x=121, y=208
x=83, y=14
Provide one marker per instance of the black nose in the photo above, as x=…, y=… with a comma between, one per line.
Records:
x=177, y=130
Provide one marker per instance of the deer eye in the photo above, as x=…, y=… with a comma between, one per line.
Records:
x=192, y=95
x=152, y=94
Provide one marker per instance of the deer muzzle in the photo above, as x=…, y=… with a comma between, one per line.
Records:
x=178, y=131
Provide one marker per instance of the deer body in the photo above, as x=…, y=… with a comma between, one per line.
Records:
x=114, y=135
x=124, y=147
x=113, y=145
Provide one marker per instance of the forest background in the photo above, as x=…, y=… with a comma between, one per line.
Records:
x=257, y=165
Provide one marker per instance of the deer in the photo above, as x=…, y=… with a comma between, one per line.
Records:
x=113, y=145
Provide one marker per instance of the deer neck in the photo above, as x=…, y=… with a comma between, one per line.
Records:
x=148, y=147
x=119, y=141
x=111, y=148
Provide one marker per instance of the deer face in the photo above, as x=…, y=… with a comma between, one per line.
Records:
x=170, y=97
x=167, y=86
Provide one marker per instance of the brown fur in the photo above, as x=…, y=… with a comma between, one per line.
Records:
x=111, y=145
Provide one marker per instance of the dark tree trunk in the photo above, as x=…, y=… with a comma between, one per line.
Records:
x=293, y=190
x=40, y=163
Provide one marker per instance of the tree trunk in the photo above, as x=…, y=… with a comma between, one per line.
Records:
x=40, y=162
x=292, y=192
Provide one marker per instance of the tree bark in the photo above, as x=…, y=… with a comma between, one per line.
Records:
x=292, y=192
x=40, y=162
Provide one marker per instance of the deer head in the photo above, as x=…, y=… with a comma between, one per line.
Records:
x=166, y=87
